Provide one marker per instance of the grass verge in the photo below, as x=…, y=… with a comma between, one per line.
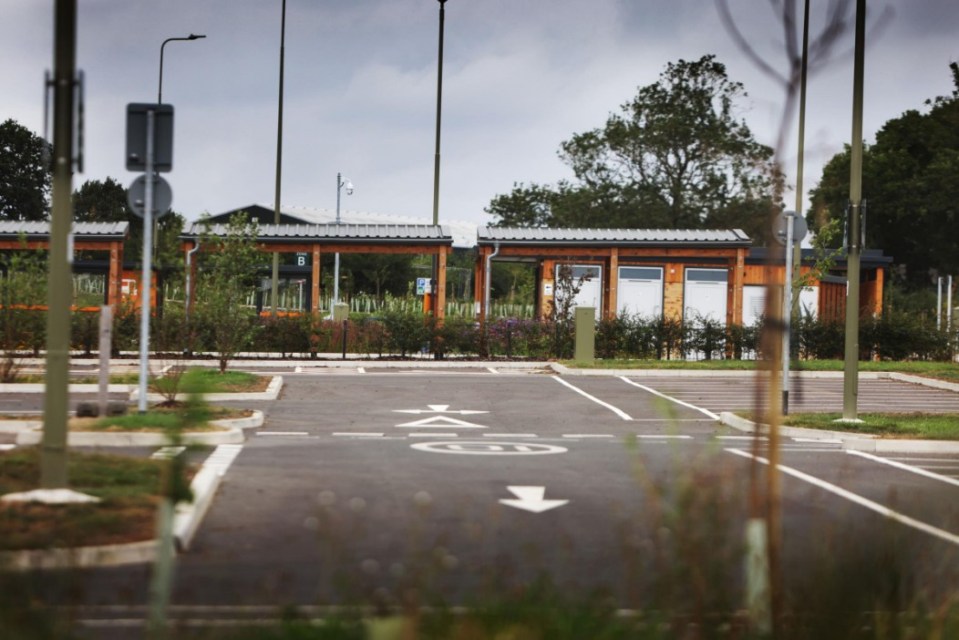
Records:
x=128, y=489
x=920, y=426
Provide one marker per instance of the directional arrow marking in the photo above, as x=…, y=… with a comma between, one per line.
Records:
x=440, y=408
x=531, y=499
x=443, y=422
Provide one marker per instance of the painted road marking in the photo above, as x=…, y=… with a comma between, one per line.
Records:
x=510, y=435
x=661, y=437
x=620, y=413
x=663, y=395
x=433, y=435
x=531, y=499
x=905, y=467
x=7, y=447
x=282, y=433
x=856, y=499
x=588, y=435
x=165, y=453
x=440, y=408
x=358, y=434
x=472, y=448
x=442, y=422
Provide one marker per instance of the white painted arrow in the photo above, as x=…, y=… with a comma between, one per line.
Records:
x=531, y=499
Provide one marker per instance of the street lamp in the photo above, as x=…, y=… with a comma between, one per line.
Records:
x=192, y=36
x=341, y=182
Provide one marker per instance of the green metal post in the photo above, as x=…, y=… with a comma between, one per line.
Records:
x=850, y=393
x=53, y=452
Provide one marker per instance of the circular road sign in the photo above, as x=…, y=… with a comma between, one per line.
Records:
x=478, y=448
x=799, y=227
x=162, y=196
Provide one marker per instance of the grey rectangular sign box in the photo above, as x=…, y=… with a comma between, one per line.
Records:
x=137, y=136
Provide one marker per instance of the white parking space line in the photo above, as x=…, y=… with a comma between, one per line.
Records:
x=856, y=499
x=492, y=369
x=588, y=435
x=509, y=435
x=653, y=436
x=358, y=434
x=282, y=433
x=622, y=414
x=905, y=467
x=433, y=435
x=670, y=398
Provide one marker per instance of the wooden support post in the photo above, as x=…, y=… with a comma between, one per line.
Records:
x=613, y=279
x=315, y=289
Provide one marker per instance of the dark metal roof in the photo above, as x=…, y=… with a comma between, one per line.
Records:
x=85, y=230
x=339, y=233
x=868, y=257
x=528, y=236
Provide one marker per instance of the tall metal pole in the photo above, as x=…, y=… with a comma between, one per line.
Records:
x=336, y=257
x=850, y=393
x=53, y=450
x=146, y=279
x=794, y=253
x=274, y=280
x=797, y=250
x=436, y=159
x=939, y=303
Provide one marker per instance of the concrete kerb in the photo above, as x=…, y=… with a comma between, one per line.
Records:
x=31, y=434
x=272, y=393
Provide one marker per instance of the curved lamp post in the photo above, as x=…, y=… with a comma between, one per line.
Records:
x=192, y=36
x=341, y=182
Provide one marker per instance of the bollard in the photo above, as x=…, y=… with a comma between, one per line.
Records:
x=585, y=325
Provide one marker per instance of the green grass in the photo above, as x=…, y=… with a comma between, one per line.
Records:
x=127, y=486
x=162, y=419
x=922, y=426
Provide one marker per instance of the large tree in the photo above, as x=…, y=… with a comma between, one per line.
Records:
x=24, y=174
x=675, y=156
x=910, y=183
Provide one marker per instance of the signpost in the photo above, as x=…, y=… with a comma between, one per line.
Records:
x=150, y=149
x=790, y=230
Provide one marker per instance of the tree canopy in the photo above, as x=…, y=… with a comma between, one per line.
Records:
x=675, y=156
x=24, y=174
x=106, y=201
x=910, y=185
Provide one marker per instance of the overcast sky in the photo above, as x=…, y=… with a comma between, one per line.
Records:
x=520, y=77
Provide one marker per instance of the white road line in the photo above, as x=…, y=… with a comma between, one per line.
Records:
x=433, y=435
x=857, y=499
x=618, y=412
x=905, y=467
x=920, y=459
x=358, y=434
x=361, y=369
x=7, y=447
x=653, y=436
x=510, y=435
x=282, y=433
x=663, y=395
x=492, y=369
x=165, y=453
x=588, y=435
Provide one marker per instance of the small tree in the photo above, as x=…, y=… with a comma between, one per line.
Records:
x=228, y=273
x=561, y=310
x=22, y=290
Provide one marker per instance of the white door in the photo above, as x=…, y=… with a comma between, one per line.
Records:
x=754, y=304
x=640, y=291
x=589, y=279
x=704, y=295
